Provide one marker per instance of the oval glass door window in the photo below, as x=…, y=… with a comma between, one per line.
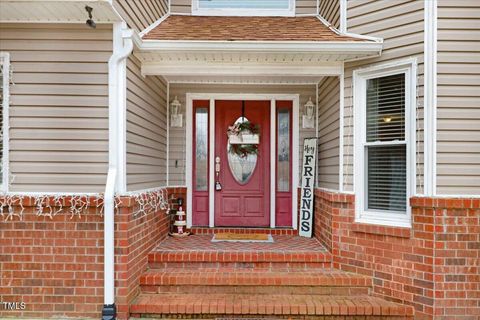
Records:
x=242, y=168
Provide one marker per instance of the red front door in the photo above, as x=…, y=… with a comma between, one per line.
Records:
x=244, y=198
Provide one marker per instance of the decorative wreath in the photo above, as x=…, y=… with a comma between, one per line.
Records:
x=246, y=127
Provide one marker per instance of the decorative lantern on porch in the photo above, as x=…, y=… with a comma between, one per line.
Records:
x=179, y=226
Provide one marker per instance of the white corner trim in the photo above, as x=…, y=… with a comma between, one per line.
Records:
x=167, y=180
x=341, y=130
x=430, y=98
x=153, y=25
x=360, y=76
x=343, y=16
x=5, y=61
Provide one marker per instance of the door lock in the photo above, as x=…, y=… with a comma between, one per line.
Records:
x=218, y=185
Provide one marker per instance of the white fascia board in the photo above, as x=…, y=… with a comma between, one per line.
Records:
x=263, y=46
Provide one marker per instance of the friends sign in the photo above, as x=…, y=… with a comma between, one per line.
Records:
x=308, y=185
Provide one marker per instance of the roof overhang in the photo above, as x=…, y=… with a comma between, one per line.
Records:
x=270, y=61
x=56, y=11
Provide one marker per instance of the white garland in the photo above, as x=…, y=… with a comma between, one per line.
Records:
x=8, y=205
x=150, y=201
x=45, y=205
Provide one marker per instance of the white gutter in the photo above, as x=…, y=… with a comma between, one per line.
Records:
x=366, y=46
x=122, y=47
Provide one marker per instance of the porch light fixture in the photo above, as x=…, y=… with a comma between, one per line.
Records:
x=176, y=119
x=90, y=21
x=308, y=119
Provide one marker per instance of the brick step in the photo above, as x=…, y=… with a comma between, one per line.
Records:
x=201, y=306
x=324, y=281
x=326, y=277
x=268, y=290
x=246, y=266
x=199, y=252
x=236, y=256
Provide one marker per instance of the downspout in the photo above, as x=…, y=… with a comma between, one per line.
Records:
x=122, y=47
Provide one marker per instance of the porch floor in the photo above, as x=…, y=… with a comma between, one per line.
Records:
x=281, y=244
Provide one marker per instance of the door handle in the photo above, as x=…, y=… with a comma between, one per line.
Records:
x=218, y=185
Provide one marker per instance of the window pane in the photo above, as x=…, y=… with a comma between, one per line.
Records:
x=387, y=179
x=386, y=108
x=243, y=4
x=283, y=150
x=201, y=149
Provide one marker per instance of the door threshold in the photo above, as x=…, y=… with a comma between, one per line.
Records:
x=267, y=230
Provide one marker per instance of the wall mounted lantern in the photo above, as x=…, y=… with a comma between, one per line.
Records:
x=308, y=115
x=176, y=118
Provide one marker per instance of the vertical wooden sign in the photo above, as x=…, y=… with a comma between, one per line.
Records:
x=308, y=186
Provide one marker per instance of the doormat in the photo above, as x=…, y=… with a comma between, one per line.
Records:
x=242, y=237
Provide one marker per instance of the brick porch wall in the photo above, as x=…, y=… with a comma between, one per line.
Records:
x=55, y=265
x=456, y=255
x=437, y=257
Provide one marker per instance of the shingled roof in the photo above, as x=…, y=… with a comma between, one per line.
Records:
x=213, y=28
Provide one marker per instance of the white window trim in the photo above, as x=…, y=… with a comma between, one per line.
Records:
x=197, y=11
x=360, y=77
x=5, y=61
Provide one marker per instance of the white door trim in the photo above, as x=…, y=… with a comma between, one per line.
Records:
x=295, y=98
x=273, y=163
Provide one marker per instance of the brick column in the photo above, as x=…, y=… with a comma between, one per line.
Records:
x=456, y=255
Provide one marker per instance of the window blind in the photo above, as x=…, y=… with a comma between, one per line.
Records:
x=387, y=178
x=386, y=149
x=386, y=108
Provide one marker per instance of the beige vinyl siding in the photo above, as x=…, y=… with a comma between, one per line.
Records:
x=306, y=7
x=458, y=98
x=139, y=14
x=146, y=129
x=401, y=24
x=328, y=133
x=177, y=135
x=58, y=106
x=302, y=7
x=181, y=6
x=330, y=11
